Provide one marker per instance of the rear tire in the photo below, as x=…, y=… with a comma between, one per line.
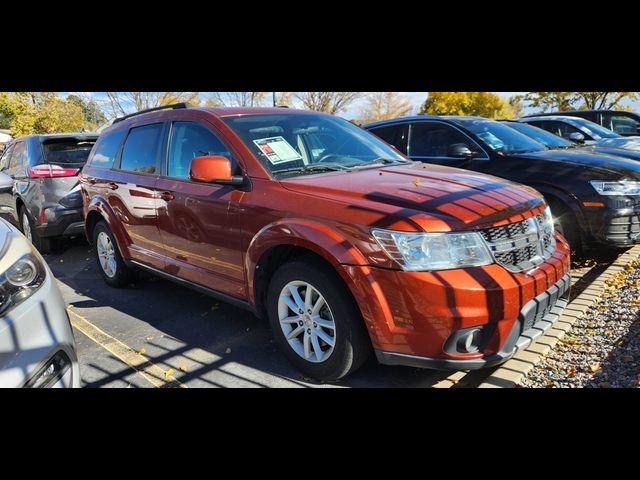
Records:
x=110, y=263
x=328, y=340
x=43, y=244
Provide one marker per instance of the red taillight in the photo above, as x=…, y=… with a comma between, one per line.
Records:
x=52, y=171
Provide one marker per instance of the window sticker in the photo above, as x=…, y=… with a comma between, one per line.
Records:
x=277, y=150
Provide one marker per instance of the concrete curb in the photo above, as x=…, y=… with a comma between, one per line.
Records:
x=511, y=373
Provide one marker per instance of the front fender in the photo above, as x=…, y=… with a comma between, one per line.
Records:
x=321, y=239
x=100, y=206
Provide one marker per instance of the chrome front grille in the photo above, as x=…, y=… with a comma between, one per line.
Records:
x=522, y=245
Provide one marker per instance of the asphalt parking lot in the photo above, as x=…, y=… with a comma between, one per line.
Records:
x=158, y=334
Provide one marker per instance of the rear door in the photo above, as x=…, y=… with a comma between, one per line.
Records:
x=199, y=223
x=130, y=191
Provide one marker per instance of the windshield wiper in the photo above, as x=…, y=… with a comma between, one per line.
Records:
x=318, y=167
x=380, y=161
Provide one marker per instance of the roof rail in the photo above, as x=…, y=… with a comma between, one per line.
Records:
x=173, y=106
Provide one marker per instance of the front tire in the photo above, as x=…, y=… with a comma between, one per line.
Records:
x=315, y=321
x=43, y=244
x=110, y=263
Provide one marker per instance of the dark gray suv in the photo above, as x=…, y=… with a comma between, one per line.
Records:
x=45, y=200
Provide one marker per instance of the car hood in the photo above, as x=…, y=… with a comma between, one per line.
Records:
x=422, y=196
x=605, y=167
x=620, y=152
x=627, y=143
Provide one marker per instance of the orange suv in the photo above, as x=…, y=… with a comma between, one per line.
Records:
x=342, y=243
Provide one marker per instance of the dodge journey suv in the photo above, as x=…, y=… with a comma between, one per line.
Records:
x=341, y=242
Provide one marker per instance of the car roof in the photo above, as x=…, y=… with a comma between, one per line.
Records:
x=552, y=117
x=444, y=118
x=567, y=112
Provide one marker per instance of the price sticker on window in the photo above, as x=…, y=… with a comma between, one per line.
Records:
x=277, y=150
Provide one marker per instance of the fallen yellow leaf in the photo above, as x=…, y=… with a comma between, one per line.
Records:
x=142, y=351
x=149, y=338
x=595, y=367
x=571, y=372
x=169, y=373
x=416, y=182
x=183, y=368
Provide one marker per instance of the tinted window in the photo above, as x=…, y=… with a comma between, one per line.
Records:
x=395, y=135
x=501, y=138
x=565, y=130
x=188, y=141
x=106, y=149
x=67, y=152
x=19, y=156
x=621, y=124
x=140, y=152
x=434, y=139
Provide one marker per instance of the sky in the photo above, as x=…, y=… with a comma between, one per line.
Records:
x=416, y=99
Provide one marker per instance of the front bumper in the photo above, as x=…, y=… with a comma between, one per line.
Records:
x=417, y=318
x=535, y=318
x=62, y=222
x=32, y=333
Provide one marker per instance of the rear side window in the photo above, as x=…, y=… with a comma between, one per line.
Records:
x=4, y=161
x=67, y=152
x=106, y=149
x=188, y=141
x=19, y=156
x=140, y=152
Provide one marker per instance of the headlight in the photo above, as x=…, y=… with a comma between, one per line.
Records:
x=22, y=278
x=616, y=188
x=434, y=251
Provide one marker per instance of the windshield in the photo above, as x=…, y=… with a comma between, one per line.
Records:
x=67, y=152
x=502, y=138
x=549, y=140
x=297, y=144
x=596, y=131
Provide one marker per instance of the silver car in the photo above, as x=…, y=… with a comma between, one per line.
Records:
x=37, y=348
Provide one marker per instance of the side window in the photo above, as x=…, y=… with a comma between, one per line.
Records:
x=19, y=156
x=395, y=135
x=188, y=141
x=4, y=161
x=434, y=139
x=566, y=130
x=140, y=152
x=106, y=149
x=620, y=124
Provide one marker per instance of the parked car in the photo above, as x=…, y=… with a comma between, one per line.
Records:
x=580, y=130
x=620, y=122
x=594, y=198
x=552, y=141
x=337, y=239
x=37, y=348
x=45, y=201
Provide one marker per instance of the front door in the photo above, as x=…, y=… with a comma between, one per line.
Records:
x=198, y=222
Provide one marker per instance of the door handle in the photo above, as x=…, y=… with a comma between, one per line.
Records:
x=113, y=185
x=167, y=196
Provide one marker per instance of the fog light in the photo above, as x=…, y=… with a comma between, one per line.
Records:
x=469, y=341
x=51, y=373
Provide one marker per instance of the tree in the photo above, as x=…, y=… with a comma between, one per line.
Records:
x=29, y=113
x=236, y=99
x=94, y=117
x=384, y=105
x=122, y=103
x=328, y=102
x=562, y=101
x=516, y=103
x=483, y=104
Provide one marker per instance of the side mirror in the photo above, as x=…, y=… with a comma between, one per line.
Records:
x=214, y=169
x=461, y=150
x=576, y=137
x=6, y=182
